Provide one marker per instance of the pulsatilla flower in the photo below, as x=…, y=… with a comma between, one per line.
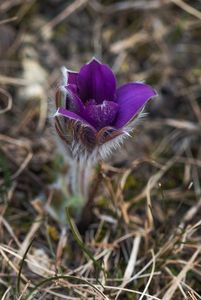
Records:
x=93, y=116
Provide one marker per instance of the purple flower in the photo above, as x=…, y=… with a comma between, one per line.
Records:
x=93, y=115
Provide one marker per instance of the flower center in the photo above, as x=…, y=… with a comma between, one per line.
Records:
x=101, y=115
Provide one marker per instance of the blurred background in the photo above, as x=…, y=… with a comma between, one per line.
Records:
x=150, y=197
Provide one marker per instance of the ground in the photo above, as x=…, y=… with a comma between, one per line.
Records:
x=141, y=236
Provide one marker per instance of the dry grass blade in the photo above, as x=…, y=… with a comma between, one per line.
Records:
x=131, y=291
x=64, y=278
x=188, y=8
x=179, y=285
x=133, y=257
x=139, y=37
x=182, y=124
x=153, y=180
x=176, y=281
x=29, y=237
x=10, y=230
x=13, y=81
x=131, y=263
x=122, y=6
x=12, y=265
x=6, y=5
x=24, y=291
x=192, y=291
x=150, y=277
x=30, y=261
x=192, y=211
x=8, y=20
x=23, y=165
x=4, y=297
x=11, y=140
x=192, y=296
x=63, y=15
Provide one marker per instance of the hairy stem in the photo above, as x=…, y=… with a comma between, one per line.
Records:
x=79, y=180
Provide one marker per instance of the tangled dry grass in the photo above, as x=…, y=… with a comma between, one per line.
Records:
x=141, y=237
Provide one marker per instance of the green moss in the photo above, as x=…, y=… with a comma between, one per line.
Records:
x=102, y=201
x=132, y=183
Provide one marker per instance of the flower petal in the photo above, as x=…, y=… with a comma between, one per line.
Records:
x=107, y=134
x=76, y=133
x=131, y=97
x=96, y=81
x=73, y=102
x=72, y=88
x=72, y=116
x=109, y=139
x=72, y=77
x=101, y=115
